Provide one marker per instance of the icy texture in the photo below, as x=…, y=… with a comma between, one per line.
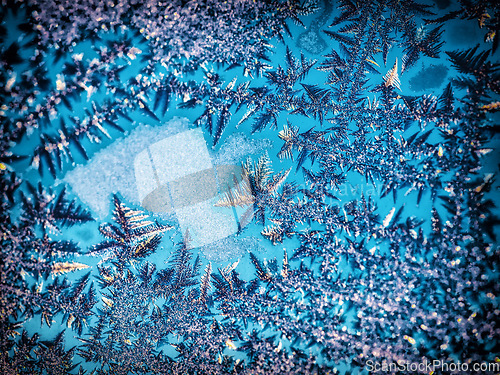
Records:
x=365, y=278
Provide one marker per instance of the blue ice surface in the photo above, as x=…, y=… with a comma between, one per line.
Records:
x=234, y=146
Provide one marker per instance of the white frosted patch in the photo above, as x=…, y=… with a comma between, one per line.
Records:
x=168, y=170
x=179, y=155
x=206, y=223
x=111, y=169
x=144, y=175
